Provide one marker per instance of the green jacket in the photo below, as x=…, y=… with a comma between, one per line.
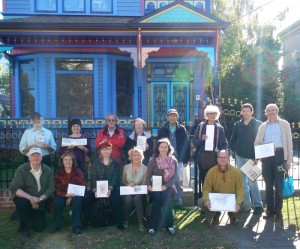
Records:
x=25, y=181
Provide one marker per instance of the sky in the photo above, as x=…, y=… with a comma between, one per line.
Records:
x=274, y=7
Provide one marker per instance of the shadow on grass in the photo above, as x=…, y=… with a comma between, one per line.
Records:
x=191, y=233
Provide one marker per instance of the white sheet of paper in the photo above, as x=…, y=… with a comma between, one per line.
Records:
x=76, y=189
x=209, y=142
x=264, y=150
x=156, y=183
x=141, y=141
x=73, y=142
x=136, y=190
x=102, y=188
x=222, y=202
x=251, y=170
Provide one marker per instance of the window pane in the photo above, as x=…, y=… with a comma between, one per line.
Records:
x=74, y=5
x=74, y=64
x=74, y=95
x=124, y=87
x=45, y=5
x=101, y=6
x=27, y=87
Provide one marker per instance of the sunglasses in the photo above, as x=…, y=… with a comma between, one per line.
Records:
x=282, y=167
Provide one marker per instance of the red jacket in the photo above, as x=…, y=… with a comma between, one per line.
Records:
x=117, y=140
x=62, y=180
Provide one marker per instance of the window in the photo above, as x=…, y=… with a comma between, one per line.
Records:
x=102, y=6
x=124, y=88
x=27, y=87
x=46, y=5
x=73, y=5
x=74, y=87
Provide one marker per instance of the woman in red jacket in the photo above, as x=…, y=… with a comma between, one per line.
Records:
x=68, y=174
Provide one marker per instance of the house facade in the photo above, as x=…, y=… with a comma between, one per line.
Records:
x=291, y=70
x=88, y=58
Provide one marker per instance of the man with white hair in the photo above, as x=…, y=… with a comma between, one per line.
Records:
x=33, y=183
x=40, y=137
x=278, y=132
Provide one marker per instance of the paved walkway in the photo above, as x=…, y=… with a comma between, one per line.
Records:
x=253, y=231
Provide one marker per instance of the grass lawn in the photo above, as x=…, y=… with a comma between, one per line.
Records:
x=191, y=233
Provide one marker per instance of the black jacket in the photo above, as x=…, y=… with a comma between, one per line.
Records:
x=243, y=136
x=182, y=141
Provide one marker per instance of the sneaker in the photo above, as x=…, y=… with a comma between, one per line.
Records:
x=232, y=218
x=258, y=211
x=141, y=228
x=125, y=224
x=151, y=231
x=171, y=231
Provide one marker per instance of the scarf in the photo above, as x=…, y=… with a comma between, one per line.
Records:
x=168, y=166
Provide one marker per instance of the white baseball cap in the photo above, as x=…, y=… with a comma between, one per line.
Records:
x=34, y=150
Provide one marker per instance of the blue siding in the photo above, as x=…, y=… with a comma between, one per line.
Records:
x=120, y=8
x=129, y=7
x=18, y=6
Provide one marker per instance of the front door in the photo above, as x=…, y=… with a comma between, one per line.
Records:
x=165, y=95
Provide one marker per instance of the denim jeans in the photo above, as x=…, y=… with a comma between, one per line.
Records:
x=251, y=187
x=161, y=212
x=178, y=186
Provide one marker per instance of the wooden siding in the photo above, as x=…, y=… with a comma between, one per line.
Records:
x=49, y=105
x=100, y=93
x=18, y=6
x=129, y=8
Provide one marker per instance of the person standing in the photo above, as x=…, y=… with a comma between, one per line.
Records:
x=113, y=134
x=79, y=151
x=131, y=141
x=277, y=131
x=241, y=142
x=31, y=186
x=179, y=139
x=207, y=159
x=40, y=137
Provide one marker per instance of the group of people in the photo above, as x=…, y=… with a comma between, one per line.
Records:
x=123, y=162
x=218, y=176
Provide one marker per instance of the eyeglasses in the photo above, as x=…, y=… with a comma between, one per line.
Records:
x=111, y=120
x=224, y=157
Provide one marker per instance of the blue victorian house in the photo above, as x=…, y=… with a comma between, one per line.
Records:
x=87, y=58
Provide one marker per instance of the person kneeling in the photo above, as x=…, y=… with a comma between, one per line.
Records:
x=223, y=178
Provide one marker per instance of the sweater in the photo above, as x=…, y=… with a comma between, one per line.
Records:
x=243, y=136
x=228, y=182
x=286, y=136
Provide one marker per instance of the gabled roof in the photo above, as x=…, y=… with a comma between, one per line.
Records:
x=178, y=14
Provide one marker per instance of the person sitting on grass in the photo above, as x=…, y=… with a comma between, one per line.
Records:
x=226, y=179
x=164, y=165
x=31, y=186
x=68, y=174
